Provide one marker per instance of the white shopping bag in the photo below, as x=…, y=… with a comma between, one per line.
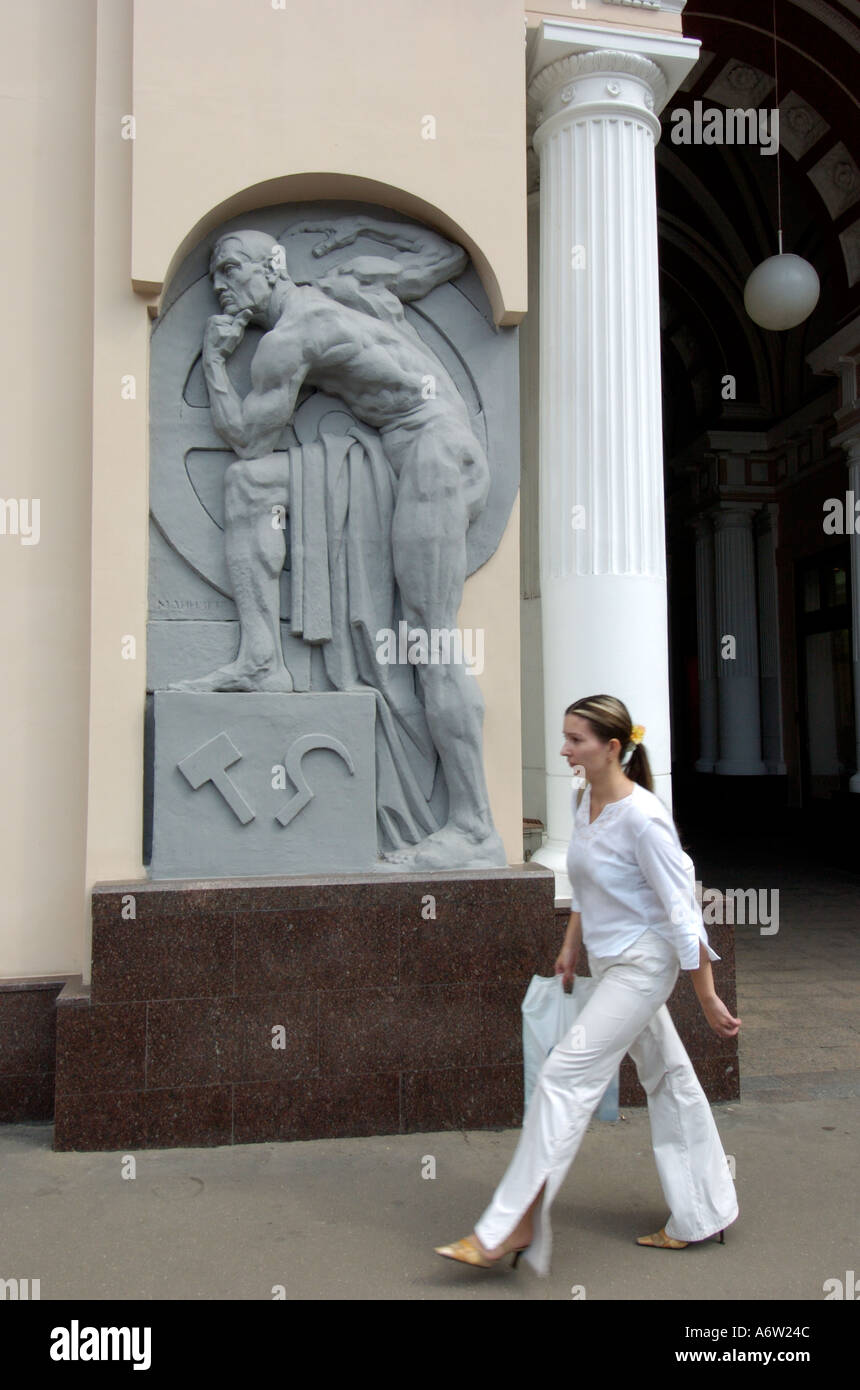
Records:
x=548, y=1015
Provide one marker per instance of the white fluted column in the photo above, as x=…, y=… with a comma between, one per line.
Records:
x=768, y=631
x=603, y=567
x=706, y=639
x=851, y=444
x=738, y=673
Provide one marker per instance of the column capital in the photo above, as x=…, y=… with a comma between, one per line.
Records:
x=767, y=518
x=849, y=440
x=597, y=83
x=557, y=38
x=735, y=514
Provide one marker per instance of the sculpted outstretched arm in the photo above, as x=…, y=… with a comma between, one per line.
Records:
x=432, y=258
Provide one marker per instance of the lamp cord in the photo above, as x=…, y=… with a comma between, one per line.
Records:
x=778, y=143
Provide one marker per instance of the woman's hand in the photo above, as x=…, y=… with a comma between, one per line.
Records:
x=718, y=1016
x=715, y=1011
x=566, y=963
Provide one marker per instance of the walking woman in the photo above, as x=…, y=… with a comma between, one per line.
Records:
x=634, y=908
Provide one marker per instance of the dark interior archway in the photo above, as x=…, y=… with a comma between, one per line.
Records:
x=746, y=420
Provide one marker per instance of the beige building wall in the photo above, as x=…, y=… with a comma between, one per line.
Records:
x=236, y=104
x=46, y=160
x=218, y=130
x=234, y=95
x=120, y=500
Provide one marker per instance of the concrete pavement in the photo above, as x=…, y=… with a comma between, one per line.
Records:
x=357, y=1218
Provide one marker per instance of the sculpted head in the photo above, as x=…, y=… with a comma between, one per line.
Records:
x=244, y=267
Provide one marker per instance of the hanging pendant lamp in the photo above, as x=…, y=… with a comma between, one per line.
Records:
x=784, y=289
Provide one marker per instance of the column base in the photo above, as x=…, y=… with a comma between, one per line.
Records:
x=737, y=767
x=553, y=855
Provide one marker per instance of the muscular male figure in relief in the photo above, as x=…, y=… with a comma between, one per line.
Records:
x=348, y=335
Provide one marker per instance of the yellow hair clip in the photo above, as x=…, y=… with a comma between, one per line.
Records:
x=638, y=733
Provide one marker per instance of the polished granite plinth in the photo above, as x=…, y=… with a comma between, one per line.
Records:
x=249, y=1011
x=385, y=1017
x=28, y=1021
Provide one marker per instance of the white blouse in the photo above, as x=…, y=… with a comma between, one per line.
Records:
x=628, y=873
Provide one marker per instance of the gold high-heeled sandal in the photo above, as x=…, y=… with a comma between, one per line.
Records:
x=660, y=1241
x=468, y=1253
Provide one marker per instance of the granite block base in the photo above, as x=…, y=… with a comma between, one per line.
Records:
x=27, y=1046
x=255, y=1010
x=251, y=1010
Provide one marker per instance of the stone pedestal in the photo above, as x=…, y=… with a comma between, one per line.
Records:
x=243, y=1011
x=261, y=784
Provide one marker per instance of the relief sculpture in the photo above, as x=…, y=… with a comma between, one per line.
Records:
x=368, y=520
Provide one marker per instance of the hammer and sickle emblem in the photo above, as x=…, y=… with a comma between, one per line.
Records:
x=293, y=765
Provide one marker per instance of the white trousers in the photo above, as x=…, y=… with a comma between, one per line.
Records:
x=625, y=1013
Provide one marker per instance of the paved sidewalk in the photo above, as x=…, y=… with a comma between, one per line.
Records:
x=798, y=988
x=355, y=1219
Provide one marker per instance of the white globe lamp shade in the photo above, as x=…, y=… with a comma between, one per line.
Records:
x=781, y=292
